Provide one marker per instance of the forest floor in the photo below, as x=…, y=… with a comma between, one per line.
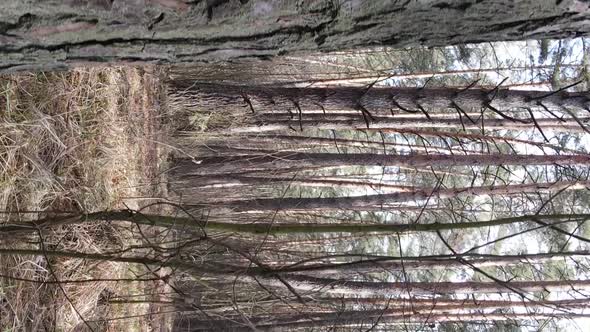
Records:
x=85, y=140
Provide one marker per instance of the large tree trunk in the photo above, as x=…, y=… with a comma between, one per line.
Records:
x=363, y=321
x=396, y=289
x=401, y=320
x=431, y=311
x=364, y=78
x=269, y=100
x=359, y=107
x=405, y=194
x=262, y=141
x=386, y=200
x=56, y=34
x=425, y=263
x=185, y=223
x=293, y=160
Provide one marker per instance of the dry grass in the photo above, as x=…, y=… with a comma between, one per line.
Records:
x=72, y=141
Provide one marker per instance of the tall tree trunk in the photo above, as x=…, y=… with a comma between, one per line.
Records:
x=301, y=71
x=329, y=108
x=368, y=78
x=332, y=286
x=346, y=317
x=425, y=263
x=192, y=183
x=401, y=320
x=400, y=122
x=338, y=99
x=55, y=34
x=391, y=311
x=455, y=142
x=186, y=223
x=396, y=289
x=262, y=140
x=445, y=301
x=292, y=160
x=309, y=143
x=484, y=138
x=364, y=321
x=384, y=200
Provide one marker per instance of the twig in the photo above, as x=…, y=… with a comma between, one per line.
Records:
x=248, y=101
x=537, y=124
x=557, y=91
x=52, y=272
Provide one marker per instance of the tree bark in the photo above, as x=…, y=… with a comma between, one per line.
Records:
x=335, y=286
x=429, y=311
x=404, y=321
x=269, y=99
x=396, y=289
x=259, y=140
x=384, y=200
x=309, y=143
x=56, y=34
x=178, y=222
x=358, y=107
x=425, y=263
x=364, y=78
x=484, y=138
x=360, y=320
x=292, y=160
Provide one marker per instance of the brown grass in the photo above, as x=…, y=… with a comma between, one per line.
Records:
x=82, y=141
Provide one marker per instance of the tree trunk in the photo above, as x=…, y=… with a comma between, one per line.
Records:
x=56, y=34
x=400, y=122
x=347, y=317
x=357, y=107
x=360, y=321
x=484, y=138
x=338, y=99
x=425, y=263
x=385, y=200
x=184, y=223
x=446, y=301
x=264, y=140
x=303, y=71
x=363, y=321
x=292, y=160
x=408, y=310
x=309, y=143
x=364, y=78
x=396, y=289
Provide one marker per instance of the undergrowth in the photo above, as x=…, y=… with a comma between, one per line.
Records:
x=66, y=144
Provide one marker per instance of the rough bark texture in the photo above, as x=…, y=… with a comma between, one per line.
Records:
x=386, y=200
x=408, y=317
x=268, y=109
x=428, y=313
x=55, y=34
x=184, y=223
x=360, y=321
x=403, y=263
x=384, y=289
x=290, y=160
x=335, y=99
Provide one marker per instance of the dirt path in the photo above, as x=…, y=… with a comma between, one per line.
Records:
x=144, y=94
